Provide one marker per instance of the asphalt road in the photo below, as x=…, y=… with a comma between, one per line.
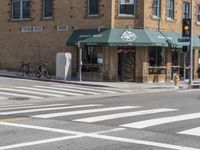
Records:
x=109, y=121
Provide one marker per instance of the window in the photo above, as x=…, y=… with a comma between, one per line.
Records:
x=47, y=8
x=20, y=9
x=198, y=14
x=156, y=56
x=93, y=7
x=156, y=8
x=186, y=9
x=127, y=7
x=170, y=9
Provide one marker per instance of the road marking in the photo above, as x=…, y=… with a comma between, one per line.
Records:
x=193, y=90
x=3, y=97
x=62, y=89
x=82, y=88
x=91, y=135
x=6, y=106
x=30, y=92
x=20, y=95
x=84, y=111
x=37, y=106
x=122, y=115
x=159, y=121
x=51, y=91
x=15, y=119
x=47, y=109
x=194, y=131
x=40, y=142
x=111, y=130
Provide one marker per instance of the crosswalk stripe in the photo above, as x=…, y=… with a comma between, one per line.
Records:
x=62, y=89
x=47, y=109
x=6, y=106
x=82, y=88
x=194, y=131
x=3, y=97
x=19, y=95
x=122, y=115
x=35, y=106
x=51, y=91
x=84, y=111
x=159, y=121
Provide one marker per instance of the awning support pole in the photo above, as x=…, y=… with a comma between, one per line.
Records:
x=191, y=45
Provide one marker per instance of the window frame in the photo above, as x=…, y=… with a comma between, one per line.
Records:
x=21, y=9
x=170, y=8
x=43, y=10
x=158, y=9
x=88, y=9
x=184, y=9
x=127, y=15
x=198, y=14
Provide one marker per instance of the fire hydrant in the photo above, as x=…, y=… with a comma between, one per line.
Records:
x=176, y=80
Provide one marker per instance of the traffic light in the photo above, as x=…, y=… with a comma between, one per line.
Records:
x=186, y=32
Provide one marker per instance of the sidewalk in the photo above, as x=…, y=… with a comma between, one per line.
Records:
x=123, y=85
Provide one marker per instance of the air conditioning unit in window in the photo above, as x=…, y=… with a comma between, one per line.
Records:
x=37, y=28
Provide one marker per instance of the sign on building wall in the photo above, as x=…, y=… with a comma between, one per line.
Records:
x=26, y=29
x=62, y=28
x=37, y=28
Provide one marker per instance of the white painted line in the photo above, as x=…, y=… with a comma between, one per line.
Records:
x=111, y=130
x=122, y=115
x=50, y=91
x=40, y=142
x=142, y=142
x=30, y=92
x=193, y=90
x=3, y=97
x=93, y=135
x=194, y=131
x=36, y=106
x=20, y=95
x=86, y=88
x=9, y=106
x=159, y=121
x=52, y=115
x=47, y=109
x=67, y=89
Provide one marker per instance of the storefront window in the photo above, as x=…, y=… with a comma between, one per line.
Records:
x=92, y=59
x=156, y=56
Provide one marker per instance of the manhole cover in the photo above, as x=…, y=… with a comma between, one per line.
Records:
x=18, y=98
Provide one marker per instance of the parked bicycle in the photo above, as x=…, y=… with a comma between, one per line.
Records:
x=41, y=71
x=23, y=69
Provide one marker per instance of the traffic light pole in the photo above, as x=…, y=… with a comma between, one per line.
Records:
x=191, y=46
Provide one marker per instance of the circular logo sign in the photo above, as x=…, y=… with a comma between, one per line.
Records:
x=128, y=36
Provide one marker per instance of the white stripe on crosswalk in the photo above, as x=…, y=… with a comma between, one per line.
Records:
x=51, y=91
x=47, y=109
x=52, y=115
x=30, y=92
x=194, y=131
x=3, y=97
x=159, y=121
x=122, y=115
x=6, y=106
x=82, y=88
x=36, y=106
x=64, y=89
x=20, y=95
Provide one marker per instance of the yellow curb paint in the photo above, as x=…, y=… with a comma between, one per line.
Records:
x=15, y=119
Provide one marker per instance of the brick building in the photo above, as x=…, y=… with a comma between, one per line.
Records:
x=127, y=40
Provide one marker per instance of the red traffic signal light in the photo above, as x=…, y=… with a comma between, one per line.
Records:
x=186, y=32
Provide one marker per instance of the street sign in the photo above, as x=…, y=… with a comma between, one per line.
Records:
x=184, y=39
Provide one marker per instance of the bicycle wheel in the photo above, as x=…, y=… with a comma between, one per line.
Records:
x=46, y=73
x=36, y=74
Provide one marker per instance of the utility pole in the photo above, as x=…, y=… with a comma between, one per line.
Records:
x=80, y=60
x=191, y=45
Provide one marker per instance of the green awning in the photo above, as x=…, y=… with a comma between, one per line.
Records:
x=128, y=37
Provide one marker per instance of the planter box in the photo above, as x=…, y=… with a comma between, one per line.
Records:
x=160, y=78
x=150, y=78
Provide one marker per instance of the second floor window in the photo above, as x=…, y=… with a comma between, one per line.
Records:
x=170, y=9
x=198, y=14
x=47, y=8
x=127, y=7
x=93, y=7
x=156, y=8
x=20, y=9
x=186, y=9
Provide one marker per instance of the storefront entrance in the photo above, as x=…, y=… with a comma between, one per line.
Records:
x=126, y=66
